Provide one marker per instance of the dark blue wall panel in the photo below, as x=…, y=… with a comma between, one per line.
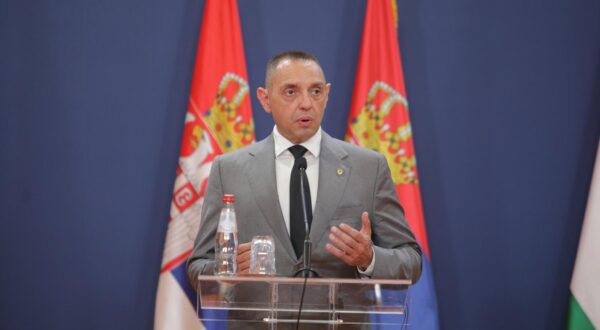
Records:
x=505, y=105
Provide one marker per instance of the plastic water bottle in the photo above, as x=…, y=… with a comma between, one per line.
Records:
x=226, y=243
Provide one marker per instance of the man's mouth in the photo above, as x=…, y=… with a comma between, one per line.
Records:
x=305, y=120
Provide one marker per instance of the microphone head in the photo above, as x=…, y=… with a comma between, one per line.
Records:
x=301, y=163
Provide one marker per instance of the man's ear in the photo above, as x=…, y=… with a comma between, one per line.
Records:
x=327, y=89
x=263, y=97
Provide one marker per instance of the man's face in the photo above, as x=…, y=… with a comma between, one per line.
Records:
x=296, y=96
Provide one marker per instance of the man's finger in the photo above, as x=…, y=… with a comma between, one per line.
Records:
x=339, y=243
x=244, y=247
x=338, y=253
x=243, y=257
x=366, y=224
x=348, y=237
x=244, y=265
x=356, y=235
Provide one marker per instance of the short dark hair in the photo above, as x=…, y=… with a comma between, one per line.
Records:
x=293, y=55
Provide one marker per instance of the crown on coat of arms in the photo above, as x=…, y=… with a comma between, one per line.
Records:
x=383, y=125
x=230, y=129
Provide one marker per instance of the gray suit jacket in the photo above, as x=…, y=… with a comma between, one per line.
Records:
x=364, y=185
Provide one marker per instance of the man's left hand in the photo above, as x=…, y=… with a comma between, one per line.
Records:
x=352, y=246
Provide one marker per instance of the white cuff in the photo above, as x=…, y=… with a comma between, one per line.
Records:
x=369, y=271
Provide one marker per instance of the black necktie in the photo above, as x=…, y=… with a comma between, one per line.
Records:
x=297, y=230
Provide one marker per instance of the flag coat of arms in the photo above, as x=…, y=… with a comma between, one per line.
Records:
x=379, y=120
x=218, y=120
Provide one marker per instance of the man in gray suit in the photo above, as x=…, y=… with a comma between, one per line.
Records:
x=358, y=228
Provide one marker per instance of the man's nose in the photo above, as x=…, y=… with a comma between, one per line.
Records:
x=305, y=101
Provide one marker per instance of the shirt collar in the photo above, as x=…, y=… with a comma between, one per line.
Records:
x=313, y=144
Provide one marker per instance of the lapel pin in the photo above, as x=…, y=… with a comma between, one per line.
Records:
x=340, y=171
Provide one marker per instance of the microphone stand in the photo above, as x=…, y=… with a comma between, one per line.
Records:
x=306, y=270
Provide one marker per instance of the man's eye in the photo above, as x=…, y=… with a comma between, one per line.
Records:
x=316, y=91
x=289, y=92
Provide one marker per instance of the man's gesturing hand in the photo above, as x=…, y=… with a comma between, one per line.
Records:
x=352, y=246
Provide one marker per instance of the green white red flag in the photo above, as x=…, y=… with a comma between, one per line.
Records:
x=584, y=302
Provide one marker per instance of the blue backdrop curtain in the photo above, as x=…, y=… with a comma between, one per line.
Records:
x=505, y=106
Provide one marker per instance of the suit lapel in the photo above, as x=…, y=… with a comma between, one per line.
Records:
x=333, y=176
x=262, y=180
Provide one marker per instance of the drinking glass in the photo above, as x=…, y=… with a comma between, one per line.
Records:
x=262, y=255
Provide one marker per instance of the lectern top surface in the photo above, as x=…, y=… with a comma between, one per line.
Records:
x=293, y=280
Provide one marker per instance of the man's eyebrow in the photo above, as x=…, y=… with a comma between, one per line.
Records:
x=295, y=85
x=289, y=85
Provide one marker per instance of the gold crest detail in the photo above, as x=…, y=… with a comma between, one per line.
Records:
x=228, y=126
x=383, y=125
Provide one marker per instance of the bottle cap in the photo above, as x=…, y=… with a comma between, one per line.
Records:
x=228, y=198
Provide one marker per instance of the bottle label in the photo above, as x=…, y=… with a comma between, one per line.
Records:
x=226, y=227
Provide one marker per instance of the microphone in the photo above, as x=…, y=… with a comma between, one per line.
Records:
x=306, y=270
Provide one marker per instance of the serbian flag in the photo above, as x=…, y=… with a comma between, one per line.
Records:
x=584, y=302
x=218, y=120
x=379, y=120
